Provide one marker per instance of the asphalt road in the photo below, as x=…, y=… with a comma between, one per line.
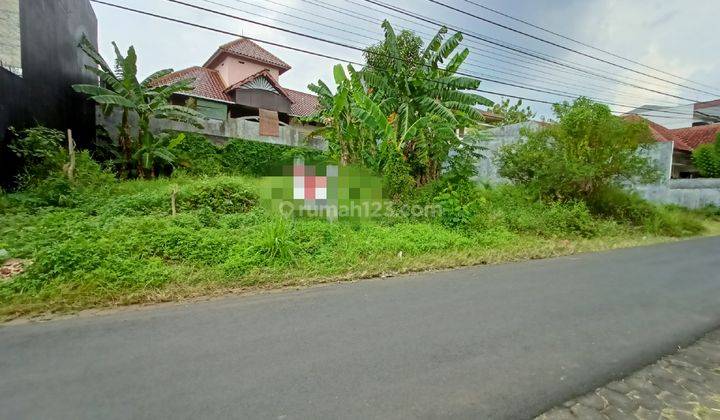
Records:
x=503, y=341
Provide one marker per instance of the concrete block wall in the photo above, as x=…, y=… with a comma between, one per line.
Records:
x=222, y=131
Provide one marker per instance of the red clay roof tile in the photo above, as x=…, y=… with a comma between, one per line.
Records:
x=660, y=133
x=245, y=48
x=207, y=84
x=303, y=104
x=698, y=135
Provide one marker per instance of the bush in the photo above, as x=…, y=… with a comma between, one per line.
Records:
x=41, y=152
x=458, y=205
x=244, y=157
x=707, y=159
x=518, y=210
x=629, y=207
x=57, y=190
x=198, y=156
x=673, y=222
x=588, y=150
x=621, y=205
x=222, y=195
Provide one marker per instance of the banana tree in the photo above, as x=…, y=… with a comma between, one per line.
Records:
x=427, y=89
x=396, y=108
x=348, y=139
x=156, y=150
x=147, y=99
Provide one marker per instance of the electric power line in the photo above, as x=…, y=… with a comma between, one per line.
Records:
x=523, y=52
x=550, y=64
x=469, y=63
x=196, y=25
x=582, y=43
x=566, y=48
x=316, y=38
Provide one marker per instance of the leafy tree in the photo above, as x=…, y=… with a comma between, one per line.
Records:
x=587, y=151
x=707, y=159
x=398, y=116
x=409, y=49
x=120, y=88
x=512, y=114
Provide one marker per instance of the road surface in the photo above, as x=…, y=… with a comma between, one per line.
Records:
x=507, y=341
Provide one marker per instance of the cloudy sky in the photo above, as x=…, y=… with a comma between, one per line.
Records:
x=676, y=36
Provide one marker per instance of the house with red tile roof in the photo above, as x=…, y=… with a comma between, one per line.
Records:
x=685, y=140
x=242, y=79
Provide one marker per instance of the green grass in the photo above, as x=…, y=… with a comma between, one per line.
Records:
x=119, y=244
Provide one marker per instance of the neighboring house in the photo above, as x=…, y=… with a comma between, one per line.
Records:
x=242, y=79
x=39, y=61
x=685, y=140
x=689, y=115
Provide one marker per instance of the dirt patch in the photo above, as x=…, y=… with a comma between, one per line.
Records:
x=12, y=268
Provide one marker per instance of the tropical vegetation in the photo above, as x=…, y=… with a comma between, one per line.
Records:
x=587, y=151
x=707, y=159
x=140, y=152
x=399, y=115
x=86, y=236
x=512, y=113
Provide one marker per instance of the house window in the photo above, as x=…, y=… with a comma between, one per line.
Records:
x=10, y=57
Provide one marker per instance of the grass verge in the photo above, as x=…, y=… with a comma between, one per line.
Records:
x=120, y=245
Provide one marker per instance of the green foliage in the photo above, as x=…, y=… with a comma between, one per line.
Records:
x=41, y=152
x=399, y=117
x=120, y=243
x=254, y=158
x=588, y=150
x=707, y=159
x=37, y=145
x=198, y=156
x=458, y=205
x=518, y=210
x=512, y=114
x=623, y=206
x=147, y=99
x=408, y=48
x=219, y=196
x=155, y=151
x=57, y=190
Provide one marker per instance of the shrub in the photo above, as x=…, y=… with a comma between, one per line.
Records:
x=41, y=152
x=458, y=204
x=220, y=195
x=244, y=157
x=198, y=156
x=588, y=150
x=57, y=190
x=518, y=210
x=629, y=207
x=707, y=159
x=621, y=205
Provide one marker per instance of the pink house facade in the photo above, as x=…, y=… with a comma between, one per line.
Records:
x=242, y=80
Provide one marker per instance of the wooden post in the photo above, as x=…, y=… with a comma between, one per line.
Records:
x=71, y=154
x=173, y=195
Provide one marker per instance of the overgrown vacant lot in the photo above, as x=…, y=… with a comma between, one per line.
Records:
x=117, y=243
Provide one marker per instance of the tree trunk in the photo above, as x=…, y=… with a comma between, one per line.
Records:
x=124, y=141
